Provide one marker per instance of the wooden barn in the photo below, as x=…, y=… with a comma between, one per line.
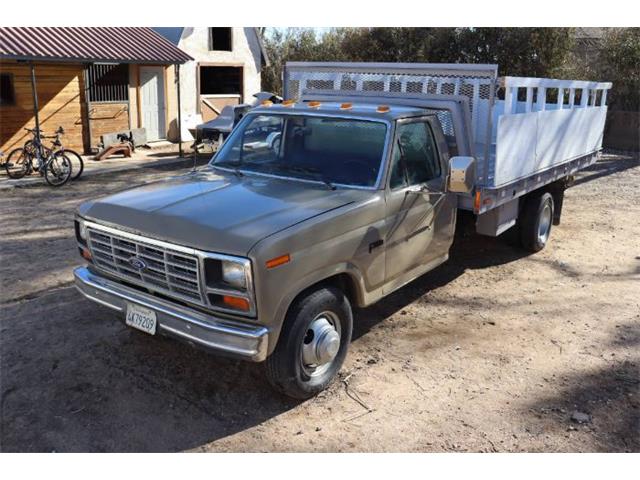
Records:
x=90, y=81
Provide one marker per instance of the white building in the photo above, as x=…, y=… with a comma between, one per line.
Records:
x=225, y=70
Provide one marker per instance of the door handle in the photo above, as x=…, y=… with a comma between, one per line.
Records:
x=376, y=244
x=418, y=189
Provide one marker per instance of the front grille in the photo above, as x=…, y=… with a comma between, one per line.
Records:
x=166, y=271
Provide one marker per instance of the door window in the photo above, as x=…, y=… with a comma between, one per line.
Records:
x=415, y=157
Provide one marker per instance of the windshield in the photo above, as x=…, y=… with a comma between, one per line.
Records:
x=327, y=149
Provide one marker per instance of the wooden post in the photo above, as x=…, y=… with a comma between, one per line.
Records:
x=36, y=108
x=177, y=73
x=87, y=110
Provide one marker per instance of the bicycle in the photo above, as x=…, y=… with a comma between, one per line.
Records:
x=77, y=163
x=53, y=165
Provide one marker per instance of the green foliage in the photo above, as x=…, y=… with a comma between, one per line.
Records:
x=619, y=62
x=531, y=52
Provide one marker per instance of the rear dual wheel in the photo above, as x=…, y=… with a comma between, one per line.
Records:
x=536, y=219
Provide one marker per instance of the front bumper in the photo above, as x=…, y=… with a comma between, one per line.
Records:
x=215, y=334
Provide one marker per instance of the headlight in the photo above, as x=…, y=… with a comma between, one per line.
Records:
x=229, y=285
x=234, y=275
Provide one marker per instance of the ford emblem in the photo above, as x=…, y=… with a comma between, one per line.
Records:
x=137, y=263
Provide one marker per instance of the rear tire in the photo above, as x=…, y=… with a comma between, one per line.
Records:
x=17, y=163
x=536, y=221
x=76, y=162
x=288, y=367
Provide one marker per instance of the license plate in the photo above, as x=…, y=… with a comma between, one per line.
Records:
x=141, y=318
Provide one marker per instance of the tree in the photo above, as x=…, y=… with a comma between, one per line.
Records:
x=619, y=62
x=528, y=52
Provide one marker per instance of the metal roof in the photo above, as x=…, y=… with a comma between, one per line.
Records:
x=89, y=44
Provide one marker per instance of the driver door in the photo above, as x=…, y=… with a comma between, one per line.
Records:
x=420, y=213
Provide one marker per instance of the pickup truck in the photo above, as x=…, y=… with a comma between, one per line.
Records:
x=332, y=200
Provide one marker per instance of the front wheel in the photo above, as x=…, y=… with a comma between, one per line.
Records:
x=536, y=220
x=58, y=171
x=313, y=343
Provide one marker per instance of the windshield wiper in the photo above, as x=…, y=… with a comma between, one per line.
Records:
x=306, y=170
x=231, y=165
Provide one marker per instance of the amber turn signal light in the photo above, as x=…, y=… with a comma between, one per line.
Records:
x=281, y=260
x=237, y=303
x=476, y=202
x=86, y=254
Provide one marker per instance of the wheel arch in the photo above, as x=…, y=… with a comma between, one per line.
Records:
x=344, y=276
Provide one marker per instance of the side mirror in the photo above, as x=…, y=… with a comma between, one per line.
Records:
x=462, y=174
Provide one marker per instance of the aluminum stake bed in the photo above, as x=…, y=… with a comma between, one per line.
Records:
x=521, y=142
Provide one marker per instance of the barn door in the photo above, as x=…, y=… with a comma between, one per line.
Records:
x=152, y=99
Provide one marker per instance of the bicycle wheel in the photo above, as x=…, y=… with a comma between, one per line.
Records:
x=17, y=164
x=76, y=162
x=57, y=171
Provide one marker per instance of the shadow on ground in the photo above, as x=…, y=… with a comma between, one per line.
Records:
x=469, y=251
x=74, y=378
x=609, y=396
x=608, y=166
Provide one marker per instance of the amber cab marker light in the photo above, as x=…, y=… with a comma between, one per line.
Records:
x=314, y=104
x=289, y=103
x=237, y=303
x=383, y=108
x=346, y=106
x=281, y=260
x=266, y=103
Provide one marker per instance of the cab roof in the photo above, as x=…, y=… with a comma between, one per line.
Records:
x=357, y=109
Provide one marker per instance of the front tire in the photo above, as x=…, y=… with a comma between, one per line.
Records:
x=313, y=343
x=536, y=221
x=58, y=171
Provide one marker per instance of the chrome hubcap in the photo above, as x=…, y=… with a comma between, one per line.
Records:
x=321, y=343
x=545, y=224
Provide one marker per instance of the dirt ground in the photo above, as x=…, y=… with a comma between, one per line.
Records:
x=496, y=350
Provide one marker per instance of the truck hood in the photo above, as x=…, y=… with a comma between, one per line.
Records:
x=216, y=211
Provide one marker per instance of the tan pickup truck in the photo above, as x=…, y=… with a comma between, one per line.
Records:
x=332, y=200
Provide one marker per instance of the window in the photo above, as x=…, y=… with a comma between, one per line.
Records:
x=7, y=90
x=220, y=38
x=415, y=157
x=220, y=80
x=108, y=83
x=329, y=149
